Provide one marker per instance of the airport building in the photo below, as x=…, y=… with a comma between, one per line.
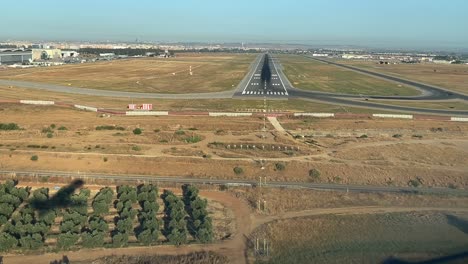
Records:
x=15, y=57
x=48, y=54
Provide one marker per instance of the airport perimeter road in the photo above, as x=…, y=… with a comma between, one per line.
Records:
x=263, y=81
x=246, y=183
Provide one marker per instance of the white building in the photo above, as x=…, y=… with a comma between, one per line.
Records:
x=70, y=54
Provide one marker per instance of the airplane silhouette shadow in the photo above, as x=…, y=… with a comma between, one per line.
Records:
x=62, y=199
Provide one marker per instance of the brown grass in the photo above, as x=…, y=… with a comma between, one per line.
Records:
x=308, y=74
x=211, y=73
x=450, y=76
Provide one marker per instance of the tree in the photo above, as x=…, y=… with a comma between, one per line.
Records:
x=33, y=241
x=7, y=242
x=148, y=236
x=137, y=131
x=120, y=239
x=67, y=240
x=92, y=240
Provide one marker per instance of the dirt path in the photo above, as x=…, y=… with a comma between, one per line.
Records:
x=234, y=248
x=275, y=123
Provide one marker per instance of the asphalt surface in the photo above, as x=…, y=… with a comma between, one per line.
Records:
x=247, y=183
x=264, y=80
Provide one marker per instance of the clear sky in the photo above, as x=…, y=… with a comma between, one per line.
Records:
x=389, y=23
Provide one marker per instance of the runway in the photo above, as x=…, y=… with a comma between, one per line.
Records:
x=263, y=81
x=266, y=79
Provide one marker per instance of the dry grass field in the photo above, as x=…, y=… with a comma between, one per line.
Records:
x=365, y=238
x=284, y=201
x=211, y=73
x=18, y=93
x=304, y=73
x=446, y=105
x=394, y=152
x=452, y=77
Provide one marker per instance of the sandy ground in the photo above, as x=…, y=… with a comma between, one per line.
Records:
x=395, y=152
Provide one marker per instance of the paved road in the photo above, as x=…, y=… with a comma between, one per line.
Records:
x=240, y=182
x=264, y=80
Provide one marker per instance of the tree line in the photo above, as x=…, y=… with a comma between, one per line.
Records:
x=137, y=214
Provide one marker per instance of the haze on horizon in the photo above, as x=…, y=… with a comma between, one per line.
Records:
x=416, y=24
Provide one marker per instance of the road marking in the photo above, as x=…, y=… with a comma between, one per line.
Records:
x=251, y=78
x=284, y=87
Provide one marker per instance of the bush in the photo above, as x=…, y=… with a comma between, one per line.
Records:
x=104, y=159
x=137, y=131
x=46, y=130
x=136, y=148
x=34, y=157
x=50, y=135
x=397, y=135
x=52, y=126
x=414, y=182
x=363, y=136
x=109, y=128
x=193, y=139
x=238, y=170
x=280, y=166
x=9, y=126
x=62, y=128
x=157, y=130
x=180, y=132
x=314, y=174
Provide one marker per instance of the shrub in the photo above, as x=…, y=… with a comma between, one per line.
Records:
x=157, y=130
x=50, y=135
x=238, y=170
x=34, y=157
x=109, y=128
x=193, y=128
x=280, y=166
x=52, y=126
x=363, y=136
x=415, y=182
x=105, y=159
x=136, y=148
x=46, y=130
x=397, y=135
x=193, y=139
x=62, y=128
x=137, y=131
x=9, y=126
x=314, y=174
x=180, y=132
